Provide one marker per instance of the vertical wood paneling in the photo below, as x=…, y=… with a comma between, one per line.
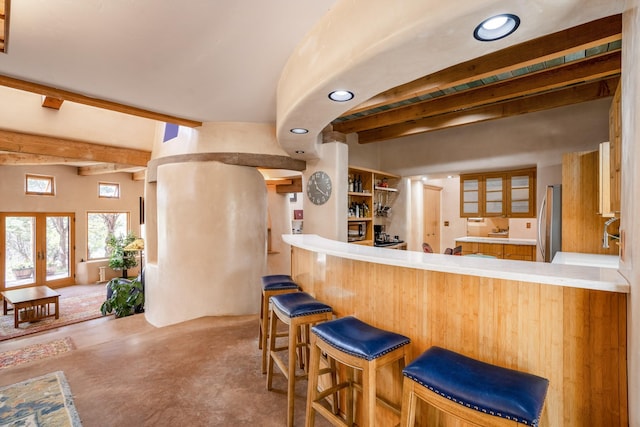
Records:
x=574, y=337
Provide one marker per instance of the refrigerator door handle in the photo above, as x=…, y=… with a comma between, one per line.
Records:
x=540, y=245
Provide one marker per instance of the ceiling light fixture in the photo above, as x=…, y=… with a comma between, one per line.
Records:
x=299, y=151
x=341, y=95
x=496, y=27
x=299, y=131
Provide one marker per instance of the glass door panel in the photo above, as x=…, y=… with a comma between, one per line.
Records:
x=36, y=249
x=19, y=250
x=57, y=254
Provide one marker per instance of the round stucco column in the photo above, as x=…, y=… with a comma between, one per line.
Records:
x=211, y=242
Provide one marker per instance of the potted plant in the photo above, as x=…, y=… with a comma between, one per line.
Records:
x=125, y=297
x=22, y=271
x=120, y=259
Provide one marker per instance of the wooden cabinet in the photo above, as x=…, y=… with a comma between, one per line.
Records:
x=519, y=252
x=503, y=194
x=491, y=249
x=521, y=201
x=499, y=250
x=582, y=227
x=371, y=196
x=615, y=141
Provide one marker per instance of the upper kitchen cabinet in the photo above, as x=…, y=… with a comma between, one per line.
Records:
x=503, y=194
x=521, y=193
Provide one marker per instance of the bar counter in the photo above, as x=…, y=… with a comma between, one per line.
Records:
x=566, y=323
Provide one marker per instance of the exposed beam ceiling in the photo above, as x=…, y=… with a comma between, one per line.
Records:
x=64, y=95
x=575, y=65
x=26, y=143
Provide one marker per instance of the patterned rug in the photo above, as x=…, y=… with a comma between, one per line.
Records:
x=73, y=309
x=35, y=352
x=41, y=401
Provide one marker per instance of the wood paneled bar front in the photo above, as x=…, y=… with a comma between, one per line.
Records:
x=562, y=322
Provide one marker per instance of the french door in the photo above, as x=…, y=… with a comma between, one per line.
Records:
x=37, y=249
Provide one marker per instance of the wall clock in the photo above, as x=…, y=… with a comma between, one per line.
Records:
x=319, y=188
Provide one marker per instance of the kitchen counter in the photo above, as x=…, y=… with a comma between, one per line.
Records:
x=593, y=260
x=499, y=240
x=530, y=315
x=575, y=276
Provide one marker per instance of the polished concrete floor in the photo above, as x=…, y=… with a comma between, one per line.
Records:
x=125, y=372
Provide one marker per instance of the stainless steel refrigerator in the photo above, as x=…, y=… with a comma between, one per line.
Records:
x=550, y=223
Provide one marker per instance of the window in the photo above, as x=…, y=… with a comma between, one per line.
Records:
x=40, y=185
x=99, y=226
x=109, y=190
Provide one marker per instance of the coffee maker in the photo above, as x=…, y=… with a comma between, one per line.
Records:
x=379, y=234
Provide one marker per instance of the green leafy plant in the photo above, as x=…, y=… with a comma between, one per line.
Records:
x=119, y=259
x=126, y=295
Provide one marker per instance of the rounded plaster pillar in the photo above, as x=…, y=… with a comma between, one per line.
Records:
x=211, y=241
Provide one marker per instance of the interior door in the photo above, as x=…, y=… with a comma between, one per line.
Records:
x=431, y=216
x=36, y=249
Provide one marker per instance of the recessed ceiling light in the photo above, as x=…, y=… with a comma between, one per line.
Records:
x=299, y=131
x=299, y=151
x=496, y=27
x=341, y=95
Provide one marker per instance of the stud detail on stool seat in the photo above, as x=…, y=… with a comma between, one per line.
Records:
x=278, y=281
x=359, y=339
x=299, y=304
x=494, y=390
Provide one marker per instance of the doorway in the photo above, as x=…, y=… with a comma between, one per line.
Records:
x=37, y=249
x=431, y=216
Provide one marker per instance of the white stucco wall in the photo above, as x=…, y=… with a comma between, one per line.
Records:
x=630, y=208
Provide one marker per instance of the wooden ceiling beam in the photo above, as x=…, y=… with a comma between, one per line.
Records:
x=559, y=98
x=105, y=168
x=592, y=34
x=53, y=103
x=590, y=69
x=139, y=176
x=18, y=142
x=94, y=102
x=27, y=159
x=295, y=186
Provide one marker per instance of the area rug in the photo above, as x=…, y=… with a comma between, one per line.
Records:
x=73, y=309
x=35, y=352
x=40, y=401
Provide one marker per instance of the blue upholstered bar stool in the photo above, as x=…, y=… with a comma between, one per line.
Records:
x=299, y=311
x=471, y=390
x=274, y=284
x=357, y=345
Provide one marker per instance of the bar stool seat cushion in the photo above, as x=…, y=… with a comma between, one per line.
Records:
x=276, y=282
x=359, y=339
x=491, y=389
x=298, y=304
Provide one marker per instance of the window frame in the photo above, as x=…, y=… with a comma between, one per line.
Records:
x=127, y=229
x=108, y=184
x=52, y=184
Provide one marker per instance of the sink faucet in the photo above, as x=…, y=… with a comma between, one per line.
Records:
x=607, y=236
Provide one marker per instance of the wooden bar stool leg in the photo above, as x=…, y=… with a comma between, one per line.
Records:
x=369, y=394
x=273, y=326
x=409, y=401
x=312, y=386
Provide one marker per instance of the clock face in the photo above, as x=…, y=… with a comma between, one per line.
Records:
x=319, y=188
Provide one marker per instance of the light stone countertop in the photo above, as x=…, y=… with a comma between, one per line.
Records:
x=575, y=276
x=500, y=240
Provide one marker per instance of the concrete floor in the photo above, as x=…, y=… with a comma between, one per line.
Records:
x=204, y=372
